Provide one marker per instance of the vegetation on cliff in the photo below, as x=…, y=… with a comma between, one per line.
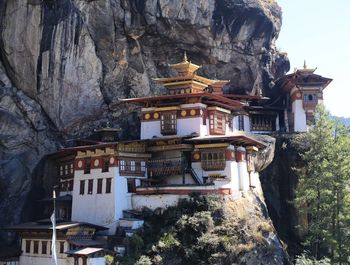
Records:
x=323, y=194
x=207, y=230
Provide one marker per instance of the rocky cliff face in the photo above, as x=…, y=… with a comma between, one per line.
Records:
x=64, y=64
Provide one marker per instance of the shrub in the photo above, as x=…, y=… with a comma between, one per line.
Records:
x=189, y=228
x=144, y=260
x=168, y=241
x=304, y=260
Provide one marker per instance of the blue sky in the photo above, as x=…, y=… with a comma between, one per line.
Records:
x=319, y=32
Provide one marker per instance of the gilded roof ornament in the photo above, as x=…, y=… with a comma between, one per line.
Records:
x=185, y=58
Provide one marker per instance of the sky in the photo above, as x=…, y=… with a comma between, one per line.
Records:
x=318, y=31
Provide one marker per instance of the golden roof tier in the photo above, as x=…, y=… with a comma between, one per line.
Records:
x=185, y=67
x=188, y=82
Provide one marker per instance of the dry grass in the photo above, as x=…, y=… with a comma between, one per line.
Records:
x=265, y=227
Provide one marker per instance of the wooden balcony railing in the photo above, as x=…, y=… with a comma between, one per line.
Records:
x=211, y=165
x=310, y=104
x=263, y=123
x=165, y=167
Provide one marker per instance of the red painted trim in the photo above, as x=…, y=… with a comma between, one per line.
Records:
x=100, y=164
x=93, y=159
x=76, y=162
x=230, y=155
x=240, y=156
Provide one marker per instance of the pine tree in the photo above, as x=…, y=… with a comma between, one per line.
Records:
x=323, y=188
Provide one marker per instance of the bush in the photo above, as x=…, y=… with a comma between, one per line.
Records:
x=144, y=260
x=191, y=227
x=168, y=241
x=304, y=260
x=110, y=260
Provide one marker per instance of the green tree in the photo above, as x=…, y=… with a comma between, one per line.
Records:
x=323, y=189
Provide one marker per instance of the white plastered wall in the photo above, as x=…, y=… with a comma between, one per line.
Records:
x=95, y=208
x=122, y=198
x=299, y=116
x=43, y=259
x=155, y=201
x=230, y=172
x=187, y=126
x=149, y=129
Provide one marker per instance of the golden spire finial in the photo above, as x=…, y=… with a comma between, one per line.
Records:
x=305, y=67
x=185, y=57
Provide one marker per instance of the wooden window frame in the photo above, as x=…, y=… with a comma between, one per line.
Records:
x=217, y=123
x=66, y=169
x=168, y=123
x=82, y=187
x=108, y=185
x=99, y=186
x=132, y=167
x=90, y=186
x=213, y=160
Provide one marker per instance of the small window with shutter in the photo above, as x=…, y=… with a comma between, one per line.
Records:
x=168, y=123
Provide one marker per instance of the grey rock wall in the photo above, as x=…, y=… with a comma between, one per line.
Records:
x=65, y=63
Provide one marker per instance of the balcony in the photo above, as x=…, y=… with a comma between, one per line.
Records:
x=310, y=104
x=213, y=165
x=165, y=167
x=265, y=123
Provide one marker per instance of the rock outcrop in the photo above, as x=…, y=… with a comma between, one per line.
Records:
x=64, y=64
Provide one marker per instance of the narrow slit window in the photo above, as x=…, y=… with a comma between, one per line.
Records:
x=82, y=187
x=108, y=185
x=90, y=186
x=99, y=186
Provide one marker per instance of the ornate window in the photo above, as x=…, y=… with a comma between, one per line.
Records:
x=66, y=169
x=128, y=167
x=310, y=100
x=213, y=160
x=168, y=123
x=217, y=122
